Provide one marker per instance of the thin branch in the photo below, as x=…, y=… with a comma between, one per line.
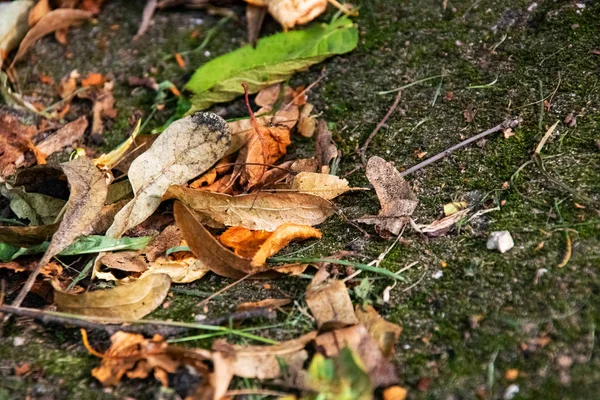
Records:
x=509, y=123
x=363, y=149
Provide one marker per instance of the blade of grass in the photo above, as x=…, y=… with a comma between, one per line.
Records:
x=410, y=84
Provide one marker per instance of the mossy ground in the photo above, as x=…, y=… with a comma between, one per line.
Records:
x=529, y=51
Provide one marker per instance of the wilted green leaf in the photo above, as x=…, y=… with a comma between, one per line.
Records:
x=275, y=59
x=38, y=208
x=83, y=245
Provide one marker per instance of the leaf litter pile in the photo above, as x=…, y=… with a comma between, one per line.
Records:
x=102, y=239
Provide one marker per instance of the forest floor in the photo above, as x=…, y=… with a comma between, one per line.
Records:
x=469, y=314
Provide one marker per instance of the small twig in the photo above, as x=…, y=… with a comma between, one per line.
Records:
x=266, y=392
x=363, y=149
x=568, y=250
x=146, y=327
x=509, y=123
x=308, y=88
x=366, y=267
x=209, y=298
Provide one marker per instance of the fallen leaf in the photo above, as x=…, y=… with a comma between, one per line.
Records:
x=126, y=302
x=290, y=13
x=103, y=107
x=109, y=160
x=180, y=60
x=169, y=237
x=274, y=59
x=185, y=270
x=61, y=36
x=322, y=185
x=326, y=150
x=265, y=362
x=26, y=235
x=454, y=207
x=266, y=303
x=93, y=79
x=86, y=200
x=149, y=9
x=329, y=301
x=397, y=199
x=67, y=136
x=442, y=226
x=187, y=148
x=394, y=393
x=68, y=85
x=50, y=22
x=384, y=333
x=260, y=211
x=129, y=261
x=307, y=123
x=254, y=20
x=260, y=245
x=16, y=137
x=381, y=371
x=38, y=208
x=13, y=25
x=92, y=6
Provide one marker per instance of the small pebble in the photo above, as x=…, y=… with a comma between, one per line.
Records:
x=511, y=392
x=18, y=341
x=199, y=317
x=437, y=274
x=501, y=241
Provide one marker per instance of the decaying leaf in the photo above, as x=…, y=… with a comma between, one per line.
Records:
x=26, y=235
x=104, y=107
x=261, y=211
x=67, y=136
x=260, y=245
x=183, y=270
x=41, y=8
x=454, y=207
x=290, y=13
x=267, y=303
x=187, y=148
x=307, y=123
x=329, y=301
x=130, y=261
x=127, y=302
x=265, y=362
x=108, y=160
x=442, y=226
x=326, y=150
x=54, y=20
x=16, y=137
x=322, y=185
x=397, y=199
x=38, y=208
x=381, y=371
x=383, y=332
x=13, y=25
x=274, y=59
x=88, y=193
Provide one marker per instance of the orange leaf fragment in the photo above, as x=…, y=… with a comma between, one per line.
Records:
x=260, y=245
x=180, y=60
x=93, y=79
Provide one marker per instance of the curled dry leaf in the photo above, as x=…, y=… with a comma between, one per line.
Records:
x=15, y=140
x=104, y=107
x=127, y=302
x=26, y=235
x=130, y=261
x=307, y=123
x=41, y=8
x=184, y=270
x=384, y=333
x=38, y=208
x=67, y=136
x=381, y=371
x=13, y=25
x=442, y=226
x=322, y=185
x=329, y=301
x=54, y=20
x=68, y=85
x=187, y=148
x=86, y=201
x=397, y=199
x=260, y=245
x=265, y=362
x=107, y=161
x=326, y=150
x=261, y=211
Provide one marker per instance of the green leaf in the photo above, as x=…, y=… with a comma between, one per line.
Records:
x=363, y=290
x=38, y=208
x=275, y=59
x=83, y=245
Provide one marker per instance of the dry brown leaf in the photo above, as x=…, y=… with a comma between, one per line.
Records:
x=397, y=199
x=260, y=245
x=307, y=124
x=326, y=150
x=15, y=140
x=442, y=226
x=130, y=261
x=67, y=136
x=264, y=362
x=126, y=302
x=357, y=338
x=290, y=13
x=264, y=148
x=61, y=36
x=187, y=148
x=50, y=22
x=26, y=235
x=222, y=167
x=92, y=6
x=322, y=185
x=169, y=237
x=266, y=303
x=14, y=25
x=261, y=211
x=104, y=106
x=254, y=20
x=329, y=301
x=40, y=9
x=185, y=270
x=68, y=84
x=384, y=333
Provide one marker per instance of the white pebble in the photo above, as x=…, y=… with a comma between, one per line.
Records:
x=501, y=241
x=511, y=391
x=18, y=341
x=437, y=274
x=207, y=53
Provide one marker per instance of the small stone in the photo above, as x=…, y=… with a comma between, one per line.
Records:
x=511, y=392
x=564, y=361
x=501, y=241
x=199, y=317
x=570, y=120
x=18, y=341
x=437, y=274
